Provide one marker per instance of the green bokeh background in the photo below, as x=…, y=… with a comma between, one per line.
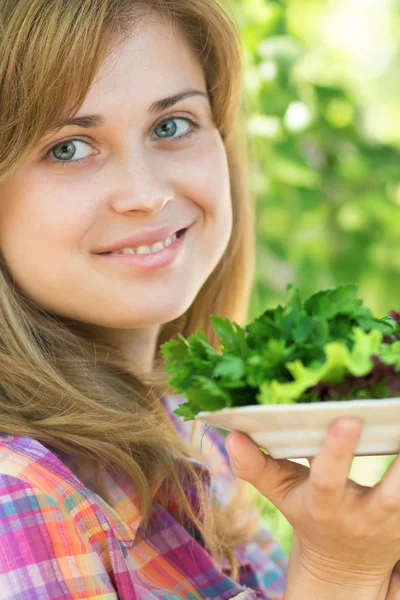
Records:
x=322, y=94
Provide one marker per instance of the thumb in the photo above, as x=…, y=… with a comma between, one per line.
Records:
x=394, y=587
x=273, y=478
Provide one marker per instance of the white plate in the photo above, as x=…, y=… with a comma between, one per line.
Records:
x=298, y=430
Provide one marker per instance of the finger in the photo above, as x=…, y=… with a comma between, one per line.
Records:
x=394, y=586
x=384, y=497
x=310, y=461
x=330, y=468
x=272, y=477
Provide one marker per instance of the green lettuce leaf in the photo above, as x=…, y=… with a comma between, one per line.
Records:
x=339, y=361
x=282, y=354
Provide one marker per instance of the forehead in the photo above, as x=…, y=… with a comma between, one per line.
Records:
x=154, y=61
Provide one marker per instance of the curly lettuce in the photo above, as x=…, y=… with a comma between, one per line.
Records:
x=329, y=347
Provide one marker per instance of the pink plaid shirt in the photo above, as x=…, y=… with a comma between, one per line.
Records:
x=59, y=540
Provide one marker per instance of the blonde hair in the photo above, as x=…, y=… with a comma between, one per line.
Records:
x=57, y=384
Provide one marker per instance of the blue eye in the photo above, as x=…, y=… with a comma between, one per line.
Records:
x=166, y=128
x=63, y=152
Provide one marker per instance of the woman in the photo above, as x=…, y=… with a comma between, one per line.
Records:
x=119, y=139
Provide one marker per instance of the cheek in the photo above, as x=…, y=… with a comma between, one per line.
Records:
x=36, y=211
x=40, y=243
x=204, y=177
x=38, y=226
x=207, y=186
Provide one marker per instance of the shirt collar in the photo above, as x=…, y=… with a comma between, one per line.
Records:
x=123, y=511
x=122, y=506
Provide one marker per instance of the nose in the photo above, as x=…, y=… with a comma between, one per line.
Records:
x=139, y=185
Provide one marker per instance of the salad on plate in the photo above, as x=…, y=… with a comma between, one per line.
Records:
x=288, y=374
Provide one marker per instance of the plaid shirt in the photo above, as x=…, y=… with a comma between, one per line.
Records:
x=60, y=540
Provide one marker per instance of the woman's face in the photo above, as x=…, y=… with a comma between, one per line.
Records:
x=137, y=172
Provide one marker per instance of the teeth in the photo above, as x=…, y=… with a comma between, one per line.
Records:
x=143, y=250
x=157, y=247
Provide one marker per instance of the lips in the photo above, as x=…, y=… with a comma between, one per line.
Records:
x=144, y=238
x=178, y=235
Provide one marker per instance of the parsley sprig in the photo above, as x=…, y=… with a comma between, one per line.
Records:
x=329, y=347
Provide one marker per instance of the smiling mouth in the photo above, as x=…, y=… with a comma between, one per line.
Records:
x=179, y=234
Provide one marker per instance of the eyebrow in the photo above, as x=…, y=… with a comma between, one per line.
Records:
x=88, y=121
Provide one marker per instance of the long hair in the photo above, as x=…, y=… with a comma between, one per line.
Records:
x=58, y=385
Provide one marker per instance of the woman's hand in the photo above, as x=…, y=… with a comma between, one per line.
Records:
x=394, y=587
x=345, y=531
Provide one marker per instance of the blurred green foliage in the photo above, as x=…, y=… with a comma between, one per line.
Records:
x=323, y=103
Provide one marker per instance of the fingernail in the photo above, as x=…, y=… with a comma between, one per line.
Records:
x=234, y=463
x=234, y=458
x=345, y=429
